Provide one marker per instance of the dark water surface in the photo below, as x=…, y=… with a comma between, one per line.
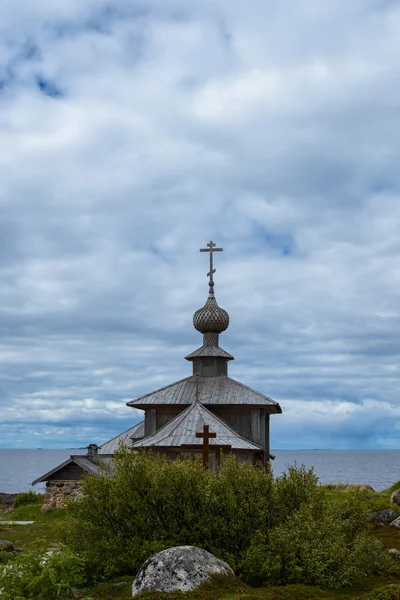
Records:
x=379, y=468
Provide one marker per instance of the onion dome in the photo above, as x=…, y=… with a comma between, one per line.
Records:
x=211, y=318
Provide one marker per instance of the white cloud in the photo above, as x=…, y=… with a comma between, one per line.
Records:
x=131, y=135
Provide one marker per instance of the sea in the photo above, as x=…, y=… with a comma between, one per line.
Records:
x=378, y=468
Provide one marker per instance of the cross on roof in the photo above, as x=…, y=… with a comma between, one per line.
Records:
x=211, y=249
x=206, y=434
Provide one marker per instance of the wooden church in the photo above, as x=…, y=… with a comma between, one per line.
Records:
x=206, y=409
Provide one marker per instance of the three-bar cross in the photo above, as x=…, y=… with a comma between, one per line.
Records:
x=211, y=248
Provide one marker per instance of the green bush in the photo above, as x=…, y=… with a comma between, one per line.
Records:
x=315, y=546
x=36, y=574
x=28, y=498
x=281, y=531
x=386, y=592
x=149, y=504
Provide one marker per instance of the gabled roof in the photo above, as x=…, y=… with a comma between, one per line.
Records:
x=135, y=432
x=182, y=430
x=219, y=390
x=210, y=351
x=82, y=461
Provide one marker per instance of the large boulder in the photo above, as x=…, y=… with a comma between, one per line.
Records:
x=182, y=568
x=6, y=546
x=395, y=497
x=385, y=516
x=395, y=523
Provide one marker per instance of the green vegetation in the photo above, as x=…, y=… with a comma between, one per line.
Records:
x=44, y=528
x=37, y=574
x=271, y=531
x=27, y=498
x=286, y=538
x=369, y=499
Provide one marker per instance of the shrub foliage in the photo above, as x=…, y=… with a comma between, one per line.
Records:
x=28, y=498
x=271, y=531
x=38, y=574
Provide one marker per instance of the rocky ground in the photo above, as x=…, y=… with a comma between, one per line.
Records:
x=6, y=500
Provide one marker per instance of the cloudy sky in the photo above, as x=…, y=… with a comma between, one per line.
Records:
x=132, y=133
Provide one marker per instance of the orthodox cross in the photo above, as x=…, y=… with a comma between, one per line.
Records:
x=206, y=434
x=211, y=248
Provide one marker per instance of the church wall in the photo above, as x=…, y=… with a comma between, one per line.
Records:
x=164, y=415
x=250, y=422
x=150, y=421
x=267, y=436
x=237, y=417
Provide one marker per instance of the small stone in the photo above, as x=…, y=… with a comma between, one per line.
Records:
x=182, y=568
x=395, y=523
x=44, y=508
x=53, y=503
x=395, y=497
x=385, y=516
x=394, y=552
x=6, y=546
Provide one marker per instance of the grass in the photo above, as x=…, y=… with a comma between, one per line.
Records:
x=44, y=528
x=235, y=589
x=371, y=499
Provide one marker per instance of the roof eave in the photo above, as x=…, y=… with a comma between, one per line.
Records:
x=70, y=460
x=57, y=468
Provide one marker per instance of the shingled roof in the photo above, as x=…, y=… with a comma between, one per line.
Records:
x=212, y=391
x=135, y=432
x=209, y=351
x=82, y=461
x=182, y=430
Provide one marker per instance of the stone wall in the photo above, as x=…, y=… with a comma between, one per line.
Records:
x=57, y=492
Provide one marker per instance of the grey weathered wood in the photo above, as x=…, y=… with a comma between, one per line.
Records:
x=133, y=433
x=150, y=421
x=71, y=471
x=217, y=390
x=183, y=428
x=59, y=472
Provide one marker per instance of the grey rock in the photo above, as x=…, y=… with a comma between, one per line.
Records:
x=395, y=523
x=394, y=552
x=385, y=516
x=6, y=546
x=7, y=499
x=181, y=568
x=395, y=497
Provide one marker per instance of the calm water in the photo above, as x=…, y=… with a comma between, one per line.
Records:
x=379, y=468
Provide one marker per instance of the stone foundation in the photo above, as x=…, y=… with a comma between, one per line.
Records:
x=58, y=492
